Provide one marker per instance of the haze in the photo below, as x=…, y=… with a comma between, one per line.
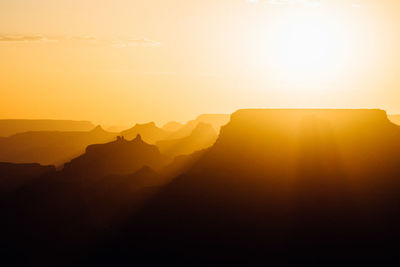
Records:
x=121, y=62
x=199, y=132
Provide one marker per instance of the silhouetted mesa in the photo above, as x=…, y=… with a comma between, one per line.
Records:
x=10, y=127
x=279, y=186
x=117, y=157
x=50, y=147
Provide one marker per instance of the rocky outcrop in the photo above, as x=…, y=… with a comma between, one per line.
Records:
x=117, y=157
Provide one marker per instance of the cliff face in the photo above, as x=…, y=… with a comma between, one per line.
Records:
x=333, y=157
x=278, y=139
x=291, y=150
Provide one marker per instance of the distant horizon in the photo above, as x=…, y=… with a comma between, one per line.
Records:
x=161, y=123
x=139, y=61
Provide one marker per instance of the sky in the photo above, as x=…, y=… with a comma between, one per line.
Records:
x=129, y=61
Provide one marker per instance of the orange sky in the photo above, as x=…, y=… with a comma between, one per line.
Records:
x=127, y=61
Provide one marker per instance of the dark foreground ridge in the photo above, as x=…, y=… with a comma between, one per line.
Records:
x=278, y=187
x=13, y=175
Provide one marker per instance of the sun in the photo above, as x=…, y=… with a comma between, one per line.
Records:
x=310, y=46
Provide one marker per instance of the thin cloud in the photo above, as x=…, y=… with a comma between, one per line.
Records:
x=130, y=42
x=84, y=39
x=160, y=73
x=25, y=39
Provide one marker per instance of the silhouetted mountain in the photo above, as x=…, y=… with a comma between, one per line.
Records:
x=172, y=126
x=173, y=130
x=395, y=119
x=278, y=187
x=51, y=147
x=216, y=120
x=203, y=136
x=63, y=214
x=149, y=132
x=14, y=175
x=11, y=127
x=117, y=157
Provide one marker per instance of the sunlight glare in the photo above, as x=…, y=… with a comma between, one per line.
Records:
x=307, y=46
